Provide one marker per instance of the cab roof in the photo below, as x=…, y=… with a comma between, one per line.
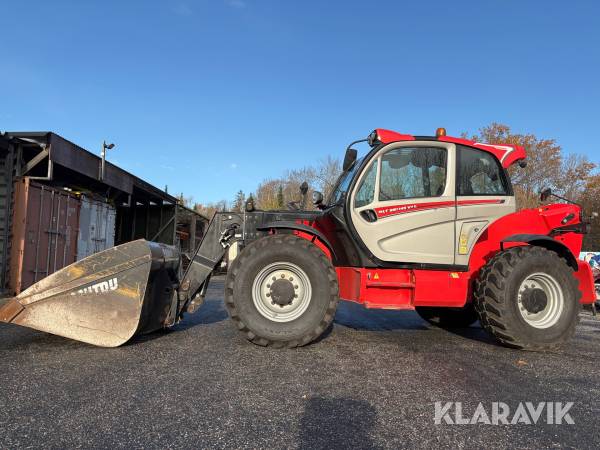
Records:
x=507, y=154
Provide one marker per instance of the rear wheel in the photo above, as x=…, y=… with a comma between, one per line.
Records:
x=281, y=291
x=528, y=297
x=448, y=317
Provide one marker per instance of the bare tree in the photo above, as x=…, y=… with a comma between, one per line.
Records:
x=327, y=173
x=273, y=193
x=209, y=209
x=576, y=175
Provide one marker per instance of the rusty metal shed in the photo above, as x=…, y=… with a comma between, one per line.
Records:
x=142, y=210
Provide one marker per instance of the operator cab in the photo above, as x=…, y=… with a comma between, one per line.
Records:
x=422, y=201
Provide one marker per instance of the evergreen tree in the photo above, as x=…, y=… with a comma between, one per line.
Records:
x=280, y=197
x=240, y=200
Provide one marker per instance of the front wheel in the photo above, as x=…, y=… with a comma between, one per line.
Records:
x=281, y=291
x=528, y=297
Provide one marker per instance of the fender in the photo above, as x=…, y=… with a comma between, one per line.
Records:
x=534, y=227
x=294, y=226
x=546, y=242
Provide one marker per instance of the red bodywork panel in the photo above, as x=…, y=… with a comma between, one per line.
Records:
x=586, y=282
x=402, y=288
x=387, y=136
x=528, y=221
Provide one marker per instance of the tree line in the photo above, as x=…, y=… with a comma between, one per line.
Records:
x=571, y=175
x=277, y=193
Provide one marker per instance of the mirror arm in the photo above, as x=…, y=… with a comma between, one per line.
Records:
x=552, y=194
x=565, y=199
x=356, y=142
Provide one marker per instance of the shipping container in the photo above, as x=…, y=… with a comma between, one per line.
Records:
x=44, y=232
x=96, y=227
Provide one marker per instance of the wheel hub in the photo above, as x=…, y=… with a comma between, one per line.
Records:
x=282, y=292
x=534, y=300
x=541, y=300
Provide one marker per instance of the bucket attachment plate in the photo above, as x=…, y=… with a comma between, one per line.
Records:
x=104, y=299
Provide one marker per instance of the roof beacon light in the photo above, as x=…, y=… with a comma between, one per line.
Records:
x=440, y=132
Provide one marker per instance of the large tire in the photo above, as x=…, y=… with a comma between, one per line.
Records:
x=528, y=298
x=448, y=317
x=305, y=287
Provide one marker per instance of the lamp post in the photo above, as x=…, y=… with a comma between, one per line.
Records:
x=105, y=147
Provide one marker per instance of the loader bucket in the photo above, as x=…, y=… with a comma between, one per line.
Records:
x=104, y=299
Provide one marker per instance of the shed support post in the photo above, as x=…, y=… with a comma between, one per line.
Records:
x=193, y=234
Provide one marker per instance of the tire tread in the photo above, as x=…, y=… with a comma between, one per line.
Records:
x=490, y=303
x=304, y=245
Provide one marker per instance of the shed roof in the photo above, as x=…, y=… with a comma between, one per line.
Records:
x=65, y=153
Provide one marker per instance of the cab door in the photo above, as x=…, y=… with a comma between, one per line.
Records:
x=403, y=206
x=484, y=194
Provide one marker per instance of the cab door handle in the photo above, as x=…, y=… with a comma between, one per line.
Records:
x=369, y=215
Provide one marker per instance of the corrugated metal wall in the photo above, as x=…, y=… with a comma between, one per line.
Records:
x=6, y=187
x=44, y=232
x=96, y=227
x=146, y=221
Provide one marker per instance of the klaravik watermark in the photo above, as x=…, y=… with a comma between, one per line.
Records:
x=500, y=413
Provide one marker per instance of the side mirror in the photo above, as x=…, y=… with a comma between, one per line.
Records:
x=304, y=188
x=317, y=198
x=349, y=159
x=545, y=194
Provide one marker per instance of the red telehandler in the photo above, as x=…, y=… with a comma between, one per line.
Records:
x=421, y=222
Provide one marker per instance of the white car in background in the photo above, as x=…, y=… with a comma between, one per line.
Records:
x=593, y=258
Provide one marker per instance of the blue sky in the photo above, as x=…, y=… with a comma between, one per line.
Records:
x=212, y=96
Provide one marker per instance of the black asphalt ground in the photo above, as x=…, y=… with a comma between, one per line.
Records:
x=371, y=382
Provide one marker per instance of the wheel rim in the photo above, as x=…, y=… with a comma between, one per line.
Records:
x=281, y=292
x=541, y=300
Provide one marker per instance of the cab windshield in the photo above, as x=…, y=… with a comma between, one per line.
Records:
x=343, y=184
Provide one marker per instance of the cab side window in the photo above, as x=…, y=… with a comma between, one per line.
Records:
x=413, y=173
x=479, y=173
x=366, y=191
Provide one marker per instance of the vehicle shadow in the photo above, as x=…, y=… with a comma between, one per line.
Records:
x=337, y=422
x=474, y=333
x=355, y=316
x=212, y=311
